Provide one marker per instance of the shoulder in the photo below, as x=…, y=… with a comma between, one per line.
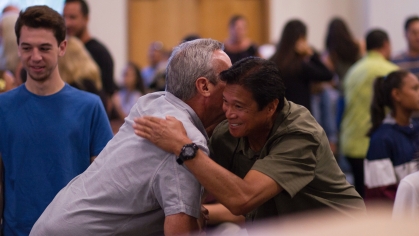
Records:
x=77, y=95
x=299, y=119
x=400, y=57
x=93, y=43
x=381, y=65
x=381, y=142
x=383, y=133
x=11, y=93
x=412, y=179
x=94, y=46
x=11, y=98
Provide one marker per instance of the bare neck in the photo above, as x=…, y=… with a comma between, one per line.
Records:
x=46, y=87
x=85, y=36
x=257, y=141
x=402, y=116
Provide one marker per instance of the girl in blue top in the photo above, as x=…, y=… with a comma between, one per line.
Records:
x=394, y=135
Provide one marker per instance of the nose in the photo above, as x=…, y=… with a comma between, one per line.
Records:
x=229, y=113
x=36, y=55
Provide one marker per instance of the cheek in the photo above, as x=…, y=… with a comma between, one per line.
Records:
x=224, y=107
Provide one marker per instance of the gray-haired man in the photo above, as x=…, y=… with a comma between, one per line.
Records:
x=133, y=187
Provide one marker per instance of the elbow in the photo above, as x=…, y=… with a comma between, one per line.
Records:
x=240, y=207
x=237, y=211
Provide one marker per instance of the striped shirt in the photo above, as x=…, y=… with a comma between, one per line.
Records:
x=407, y=62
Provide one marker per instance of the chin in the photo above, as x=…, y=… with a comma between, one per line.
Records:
x=235, y=134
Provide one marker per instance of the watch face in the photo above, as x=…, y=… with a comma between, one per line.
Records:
x=189, y=151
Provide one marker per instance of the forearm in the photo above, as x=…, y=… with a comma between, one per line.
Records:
x=218, y=213
x=225, y=186
x=230, y=190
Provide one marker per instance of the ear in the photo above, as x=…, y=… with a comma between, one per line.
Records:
x=272, y=107
x=395, y=94
x=202, y=85
x=62, y=47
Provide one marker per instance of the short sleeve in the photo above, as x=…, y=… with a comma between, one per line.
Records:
x=176, y=189
x=100, y=129
x=290, y=162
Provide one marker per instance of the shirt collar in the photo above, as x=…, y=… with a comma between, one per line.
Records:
x=185, y=107
x=373, y=53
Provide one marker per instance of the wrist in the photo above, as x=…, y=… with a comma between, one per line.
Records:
x=179, y=146
x=187, y=152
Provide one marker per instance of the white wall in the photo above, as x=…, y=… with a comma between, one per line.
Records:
x=316, y=14
x=390, y=15
x=108, y=23
x=108, y=20
x=361, y=16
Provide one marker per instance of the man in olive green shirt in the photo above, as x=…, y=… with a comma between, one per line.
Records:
x=279, y=155
x=358, y=88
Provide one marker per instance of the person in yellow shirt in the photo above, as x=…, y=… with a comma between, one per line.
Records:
x=358, y=89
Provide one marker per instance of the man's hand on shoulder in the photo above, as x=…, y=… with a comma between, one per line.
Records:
x=168, y=134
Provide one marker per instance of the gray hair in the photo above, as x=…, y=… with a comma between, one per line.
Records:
x=188, y=62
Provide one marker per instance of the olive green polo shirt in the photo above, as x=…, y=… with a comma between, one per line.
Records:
x=297, y=156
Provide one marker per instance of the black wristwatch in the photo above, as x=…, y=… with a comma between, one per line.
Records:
x=188, y=152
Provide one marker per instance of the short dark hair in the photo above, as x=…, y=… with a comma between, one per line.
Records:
x=376, y=38
x=259, y=76
x=83, y=6
x=409, y=21
x=234, y=19
x=41, y=17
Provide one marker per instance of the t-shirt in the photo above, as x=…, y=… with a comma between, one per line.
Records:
x=104, y=60
x=406, y=62
x=251, y=51
x=45, y=141
x=297, y=156
x=132, y=185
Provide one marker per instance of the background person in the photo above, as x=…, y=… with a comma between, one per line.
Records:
x=132, y=89
x=409, y=59
x=298, y=63
x=358, y=91
x=50, y=131
x=76, y=15
x=394, y=143
x=238, y=45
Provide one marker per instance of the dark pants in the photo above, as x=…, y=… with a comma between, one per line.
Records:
x=357, y=165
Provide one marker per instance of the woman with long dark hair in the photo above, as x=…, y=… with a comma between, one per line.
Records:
x=394, y=142
x=299, y=63
x=132, y=89
x=342, y=49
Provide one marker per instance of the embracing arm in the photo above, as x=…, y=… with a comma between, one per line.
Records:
x=180, y=224
x=240, y=196
x=218, y=214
